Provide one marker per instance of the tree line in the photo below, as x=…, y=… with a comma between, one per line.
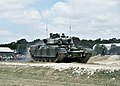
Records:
x=20, y=46
x=91, y=43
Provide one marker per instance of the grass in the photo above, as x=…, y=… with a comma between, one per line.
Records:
x=41, y=76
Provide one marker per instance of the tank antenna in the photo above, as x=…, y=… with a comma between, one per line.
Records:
x=70, y=27
x=46, y=30
x=46, y=27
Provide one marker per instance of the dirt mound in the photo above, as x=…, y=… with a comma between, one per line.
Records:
x=107, y=60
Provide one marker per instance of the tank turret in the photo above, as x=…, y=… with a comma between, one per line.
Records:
x=59, y=48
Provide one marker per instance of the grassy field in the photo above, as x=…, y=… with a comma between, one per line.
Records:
x=41, y=76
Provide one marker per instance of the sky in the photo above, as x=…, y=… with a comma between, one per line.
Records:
x=89, y=19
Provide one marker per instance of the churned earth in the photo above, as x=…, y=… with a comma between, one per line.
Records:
x=99, y=71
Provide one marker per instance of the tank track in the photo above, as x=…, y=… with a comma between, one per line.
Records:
x=60, y=58
x=86, y=58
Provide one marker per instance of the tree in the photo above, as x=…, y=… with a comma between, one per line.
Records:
x=22, y=46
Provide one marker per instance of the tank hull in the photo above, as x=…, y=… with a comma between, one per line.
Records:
x=80, y=57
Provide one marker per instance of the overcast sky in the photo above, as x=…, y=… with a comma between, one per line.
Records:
x=90, y=19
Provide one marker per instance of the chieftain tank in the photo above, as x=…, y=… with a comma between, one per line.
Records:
x=58, y=48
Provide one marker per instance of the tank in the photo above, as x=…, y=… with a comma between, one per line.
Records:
x=59, y=48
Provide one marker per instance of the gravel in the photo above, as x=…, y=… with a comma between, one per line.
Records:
x=96, y=63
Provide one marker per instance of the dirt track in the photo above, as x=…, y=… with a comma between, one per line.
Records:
x=99, y=71
x=110, y=60
x=96, y=62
